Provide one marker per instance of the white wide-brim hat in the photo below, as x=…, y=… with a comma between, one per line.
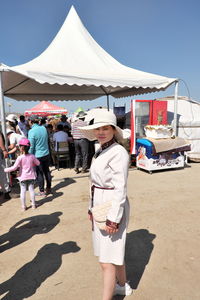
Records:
x=12, y=118
x=101, y=117
x=8, y=131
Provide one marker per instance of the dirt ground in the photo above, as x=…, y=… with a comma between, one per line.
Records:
x=47, y=254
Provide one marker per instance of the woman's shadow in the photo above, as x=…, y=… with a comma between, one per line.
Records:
x=139, y=247
x=27, y=279
x=25, y=229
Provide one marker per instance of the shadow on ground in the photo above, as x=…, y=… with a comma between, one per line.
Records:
x=28, y=279
x=48, y=198
x=139, y=247
x=63, y=182
x=15, y=191
x=59, y=186
x=26, y=228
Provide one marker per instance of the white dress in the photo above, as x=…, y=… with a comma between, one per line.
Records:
x=110, y=170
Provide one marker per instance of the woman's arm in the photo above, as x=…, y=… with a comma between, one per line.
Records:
x=90, y=200
x=119, y=164
x=2, y=146
x=119, y=168
x=11, y=146
x=13, y=150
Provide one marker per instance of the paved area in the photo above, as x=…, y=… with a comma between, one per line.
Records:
x=47, y=254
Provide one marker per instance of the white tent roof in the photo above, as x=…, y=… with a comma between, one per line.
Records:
x=75, y=67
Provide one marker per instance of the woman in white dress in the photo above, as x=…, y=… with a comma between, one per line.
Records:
x=108, y=174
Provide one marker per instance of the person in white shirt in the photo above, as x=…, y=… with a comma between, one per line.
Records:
x=61, y=136
x=12, y=124
x=14, y=139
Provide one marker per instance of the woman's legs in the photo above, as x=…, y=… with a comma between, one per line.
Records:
x=109, y=280
x=122, y=287
x=121, y=274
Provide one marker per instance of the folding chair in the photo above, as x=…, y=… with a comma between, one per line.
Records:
x=62, y=154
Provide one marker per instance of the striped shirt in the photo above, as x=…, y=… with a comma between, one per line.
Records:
x=76, y=133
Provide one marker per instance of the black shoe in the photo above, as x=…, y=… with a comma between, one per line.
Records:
x=48, y=191
x=77, y=171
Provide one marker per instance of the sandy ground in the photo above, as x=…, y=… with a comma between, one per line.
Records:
x=47, y=254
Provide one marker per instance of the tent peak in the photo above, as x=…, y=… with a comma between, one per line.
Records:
x=72, y=10
x=72, y=15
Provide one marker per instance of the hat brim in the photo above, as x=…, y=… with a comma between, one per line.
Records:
x=88, y=131
x=9, y=131
x=10, y=120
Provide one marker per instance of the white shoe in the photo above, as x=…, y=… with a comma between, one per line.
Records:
x=125, y=290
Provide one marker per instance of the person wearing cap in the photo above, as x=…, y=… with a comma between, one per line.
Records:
x=108, y=176
x=13, y=141
x=12, y=124
x=26, y=164
x=64, y=122
x=38, y=137
x=81, y=144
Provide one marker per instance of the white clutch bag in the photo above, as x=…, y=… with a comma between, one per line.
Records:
x=100, y=212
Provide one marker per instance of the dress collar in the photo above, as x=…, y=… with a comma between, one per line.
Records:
x=104, y=146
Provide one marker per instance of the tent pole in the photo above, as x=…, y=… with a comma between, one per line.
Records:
x=2, y=104
x=175, y=108
x=3, y=119
x=108, y=102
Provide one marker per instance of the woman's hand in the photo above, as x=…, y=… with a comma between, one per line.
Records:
x=5, y=154
x=111, y=230
x=90, y=215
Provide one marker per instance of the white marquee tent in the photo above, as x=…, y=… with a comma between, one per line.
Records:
x=75, y=67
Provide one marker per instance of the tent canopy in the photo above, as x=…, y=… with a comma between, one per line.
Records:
x=45, y=108
x=75, y=67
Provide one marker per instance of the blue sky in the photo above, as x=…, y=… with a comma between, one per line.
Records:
x=155, y=36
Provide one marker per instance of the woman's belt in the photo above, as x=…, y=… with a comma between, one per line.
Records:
x=93, y=187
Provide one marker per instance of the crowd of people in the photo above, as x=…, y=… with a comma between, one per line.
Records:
x=41, y=136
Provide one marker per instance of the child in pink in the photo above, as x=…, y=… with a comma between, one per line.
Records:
x=26, y=164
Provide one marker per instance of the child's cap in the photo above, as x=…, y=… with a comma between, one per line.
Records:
x=24, y=142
